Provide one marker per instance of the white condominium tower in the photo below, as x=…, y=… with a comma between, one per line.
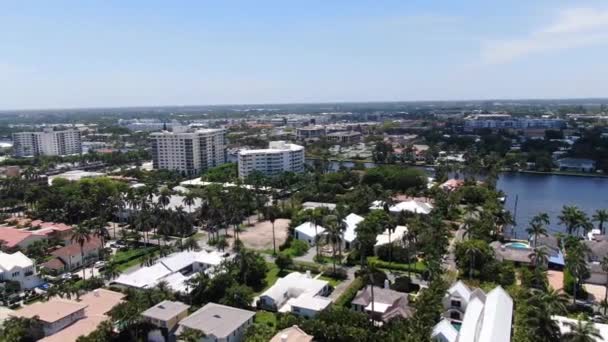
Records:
x=189, y=152
x=277, y=158
x=47, y=143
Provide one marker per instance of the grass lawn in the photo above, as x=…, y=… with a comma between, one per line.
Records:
x=333, y=282
x=271, y=276
x=265, y=317
x=416, y=267
x=131, y=257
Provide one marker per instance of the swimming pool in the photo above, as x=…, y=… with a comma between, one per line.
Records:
x=518, y=245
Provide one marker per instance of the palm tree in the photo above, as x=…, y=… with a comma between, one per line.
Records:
x=604, y=265
x=552, y=301
x=540, y=256
x=164, y=198
x=111, y=271
x=189, y=200
x=190, y=335
x=333, y=235
x=581, y=331
x=99, y=229
x=574, y=219
x=191, y=244
x=271, y=215
x=535, y=230
x=576, y=263
x=472, y=251
x=315, y=216
x=81, y=235
x=601, y=216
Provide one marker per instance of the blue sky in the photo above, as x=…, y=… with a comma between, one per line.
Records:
x=64, y=54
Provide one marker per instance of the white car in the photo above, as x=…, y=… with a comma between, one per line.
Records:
x=99, y=264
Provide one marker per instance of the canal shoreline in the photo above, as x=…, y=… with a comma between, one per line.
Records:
x=543, y=173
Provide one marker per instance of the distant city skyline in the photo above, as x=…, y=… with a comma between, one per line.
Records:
x=100, y=54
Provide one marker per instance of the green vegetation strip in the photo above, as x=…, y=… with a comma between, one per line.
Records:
x=418, y=267
x=350, y=293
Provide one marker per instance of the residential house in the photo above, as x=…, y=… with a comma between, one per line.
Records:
x=451, y=184
x=387, y=304
x=165, y=315
x=18, y=238
x=412, y=206
x=350, y=234
x=316, y=205
x=564, y=327
x=174, y=269
x=576, y=164
x=518, y=254
x=219, y=323
x=297, y=293
x=598, y=249
x=292, y=334
x=98, y=304
x=54, y=314
x=18, y=267
x=71, y=257
x=394, y=236
x=308, y=232
x=487, y=318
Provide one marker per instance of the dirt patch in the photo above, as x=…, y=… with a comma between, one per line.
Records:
x=596, y=292
x=259, y=236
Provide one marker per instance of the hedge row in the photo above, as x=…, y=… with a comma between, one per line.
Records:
x=418, y=267
x=350, y=293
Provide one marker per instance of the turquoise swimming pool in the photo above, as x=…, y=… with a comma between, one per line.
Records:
x=518, y=245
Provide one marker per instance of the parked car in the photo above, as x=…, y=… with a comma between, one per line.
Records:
x=99, y=264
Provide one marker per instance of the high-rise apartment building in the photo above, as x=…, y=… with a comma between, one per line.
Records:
x=47, y=143
x=189, y=152
x=277, y=158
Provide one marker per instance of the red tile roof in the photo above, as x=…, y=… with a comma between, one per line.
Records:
x=74, y=248
x=54, y=264
x=13, y=236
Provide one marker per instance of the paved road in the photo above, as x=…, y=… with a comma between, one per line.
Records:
x=339, y=290
x=308, y=257
x=450, y=261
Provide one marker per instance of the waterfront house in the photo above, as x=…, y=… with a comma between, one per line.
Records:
x=487, y=318
x=387, y=304
x=297, y=293
x=518, y=253
x=308, y=232
x=219, y=323
x=576, y=164
x=18, y=267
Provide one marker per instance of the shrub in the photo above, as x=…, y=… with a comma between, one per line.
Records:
x=283, y=261
x=569, y=282
x=399, y=254
x=404, y=284
x=417, y=267
x=299, y=248
x=350, y=293
x=340, y=273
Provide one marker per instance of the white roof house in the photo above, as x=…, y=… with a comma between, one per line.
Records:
x=487, y=318
x=174, y=269
x=352, y=220
x=18, y=267
x=444, y=331
x=308, y=232
x=564, y=328
x=412, y=206
x=497, y=317
x=396, y=235
x=296, y=290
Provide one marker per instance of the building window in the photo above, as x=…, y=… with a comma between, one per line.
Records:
x=456, y=303
x=455, y=315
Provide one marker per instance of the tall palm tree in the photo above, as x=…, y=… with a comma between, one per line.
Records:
x=333, y=235
x=472, y=251
x=315, y=217
x=164, y=197
x=191, y=244
x=81, y=235
x=535, y=230
x=576, y=264
x=581, y=331
x=601, y=216
x=574, y=219
x=271, y=215
x=189, y=200
x=99, y=229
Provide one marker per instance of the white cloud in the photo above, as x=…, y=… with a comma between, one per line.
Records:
x=572, y=28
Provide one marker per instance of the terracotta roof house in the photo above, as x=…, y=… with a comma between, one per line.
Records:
x=54, y=315
x=292, y=334
x=14, y=237
x=387, y=304
x=69, y=257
